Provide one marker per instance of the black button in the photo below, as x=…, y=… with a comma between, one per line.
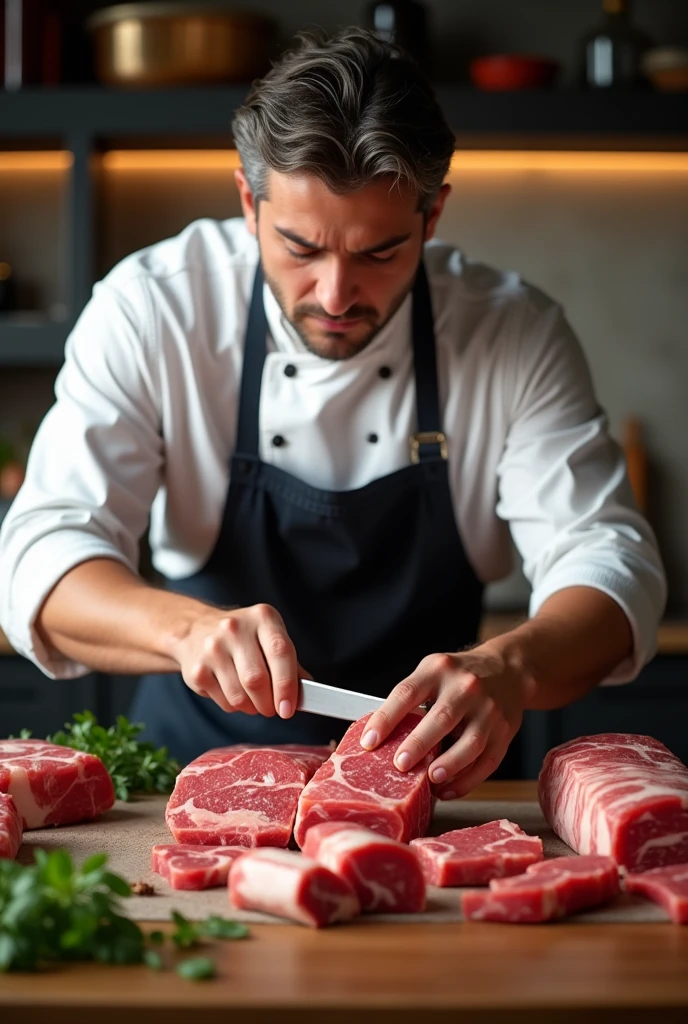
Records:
x=373, y=438
x=278, y=441
x=385, y=372
x=290, y=370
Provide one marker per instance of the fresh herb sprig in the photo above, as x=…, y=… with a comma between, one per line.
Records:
x=53, y=910
x=135, y=766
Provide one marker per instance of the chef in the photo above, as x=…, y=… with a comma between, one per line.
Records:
x=332, y=423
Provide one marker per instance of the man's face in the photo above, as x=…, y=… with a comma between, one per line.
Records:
x=339, y=265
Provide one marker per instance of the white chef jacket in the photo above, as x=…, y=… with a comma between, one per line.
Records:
x=145, y=422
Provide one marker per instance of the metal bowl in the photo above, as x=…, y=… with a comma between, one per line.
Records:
x=160, y=44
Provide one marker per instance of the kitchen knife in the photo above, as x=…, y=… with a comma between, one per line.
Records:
x=335, y=702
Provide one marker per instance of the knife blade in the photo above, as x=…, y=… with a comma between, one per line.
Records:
x=334, y=702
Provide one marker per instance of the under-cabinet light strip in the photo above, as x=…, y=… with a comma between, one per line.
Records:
x=464, y=161
x=39, y=160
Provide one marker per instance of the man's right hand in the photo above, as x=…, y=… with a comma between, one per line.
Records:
x=242, y=659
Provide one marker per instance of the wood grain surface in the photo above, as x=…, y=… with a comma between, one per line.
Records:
x=465, y=972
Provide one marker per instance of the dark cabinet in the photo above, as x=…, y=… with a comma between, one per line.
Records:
x=29, y=700
x=655, y=704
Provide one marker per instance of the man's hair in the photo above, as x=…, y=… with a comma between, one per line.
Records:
x=348, y=109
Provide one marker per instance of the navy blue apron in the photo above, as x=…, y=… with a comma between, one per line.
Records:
x=368, y=581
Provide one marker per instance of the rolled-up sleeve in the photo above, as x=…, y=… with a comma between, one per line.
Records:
x=564, y=490
x=93, y=471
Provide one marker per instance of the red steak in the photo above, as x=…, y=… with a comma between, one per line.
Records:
x=10, y=828
x=473, y=856
x=288, y=884
x=619, y=795
x=241, y=795
x=667, y=886
x=385, y=874
x=364, y=787
x=194, y=867
x=547, y=890
x=54, y=785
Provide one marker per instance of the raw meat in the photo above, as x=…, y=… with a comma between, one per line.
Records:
x=241, y=795
x=10, y=828
x=194, y=867
x=287, y=884
x=473, y=856
x=549, y=889
x=667, y=886
x=364, y=787
x=620, y=795
x=54, y=785
x=385, y=874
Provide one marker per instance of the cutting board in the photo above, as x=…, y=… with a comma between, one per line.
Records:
x=129, y=831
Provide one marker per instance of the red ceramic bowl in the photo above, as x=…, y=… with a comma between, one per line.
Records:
x=513, y=71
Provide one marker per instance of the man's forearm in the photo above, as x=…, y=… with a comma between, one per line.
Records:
x=104, y=616
x=577, y=638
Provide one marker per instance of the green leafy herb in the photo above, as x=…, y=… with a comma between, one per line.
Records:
x=152, y=960
x=220, y=928
x=53, y=910
x=135, y=766
x=197, y=969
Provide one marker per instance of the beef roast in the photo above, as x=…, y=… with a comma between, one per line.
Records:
x=287, y=884
x=473, y=856
x=185, y=866
x=385, y=874
x=620, y=795
x=10, y=828
x=241, y=795
x=53, y=785
x=364, y=787
x=667, y=886
x=547, y=890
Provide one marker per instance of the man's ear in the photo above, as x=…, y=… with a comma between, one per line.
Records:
x=248, y=204
x=435, y=211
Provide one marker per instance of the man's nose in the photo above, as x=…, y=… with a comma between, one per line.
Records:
x=336, y=288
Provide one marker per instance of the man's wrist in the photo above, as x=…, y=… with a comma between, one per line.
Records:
x=515, y=652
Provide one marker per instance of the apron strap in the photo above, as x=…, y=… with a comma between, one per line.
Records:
x=425, y=366
x=432, y=444
x=252, y=372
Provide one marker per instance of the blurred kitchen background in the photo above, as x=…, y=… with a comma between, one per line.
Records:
x=571, y=167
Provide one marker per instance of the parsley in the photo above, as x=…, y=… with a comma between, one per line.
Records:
x=52, y=910
x=196, y=969
x=135, y=766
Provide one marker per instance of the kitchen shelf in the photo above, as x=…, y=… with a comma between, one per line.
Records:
x=593, y=119
x=87, y=120
x=38, y=343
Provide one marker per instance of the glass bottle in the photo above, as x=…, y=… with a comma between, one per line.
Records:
x=611, y=51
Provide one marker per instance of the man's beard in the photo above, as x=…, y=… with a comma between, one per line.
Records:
x=339, y=346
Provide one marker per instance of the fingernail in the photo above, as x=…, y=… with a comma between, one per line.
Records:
x=449, y=794
x=285, y=708
x=403, y=761
x=439, y=775
x=369, y=739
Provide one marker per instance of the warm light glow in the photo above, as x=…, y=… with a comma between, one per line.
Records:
x=171, y=160
x=464, y=161
x=567, y=161
x=51, y=160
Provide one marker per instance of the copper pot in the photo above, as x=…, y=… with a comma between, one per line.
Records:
x=159, y=44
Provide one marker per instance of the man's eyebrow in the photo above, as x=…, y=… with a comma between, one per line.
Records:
x=388, y=243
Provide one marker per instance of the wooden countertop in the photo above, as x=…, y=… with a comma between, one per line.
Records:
x=406, y=974
x=672, y=636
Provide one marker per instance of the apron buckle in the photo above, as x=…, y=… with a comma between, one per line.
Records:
x=427, y=437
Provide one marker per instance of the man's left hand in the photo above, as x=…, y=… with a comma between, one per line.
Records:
x=478, y=699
